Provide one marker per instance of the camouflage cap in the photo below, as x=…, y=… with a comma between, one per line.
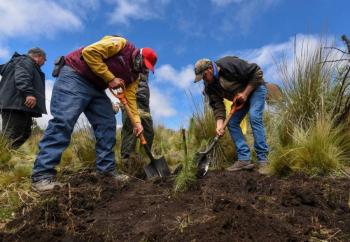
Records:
x=199, y=68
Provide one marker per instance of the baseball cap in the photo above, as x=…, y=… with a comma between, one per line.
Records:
x=149, y=58
x=199, y=68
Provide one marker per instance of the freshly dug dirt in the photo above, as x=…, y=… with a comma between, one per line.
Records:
x=224, y=206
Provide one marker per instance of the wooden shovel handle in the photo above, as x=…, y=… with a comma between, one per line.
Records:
x=234, y=108
x=124, y=101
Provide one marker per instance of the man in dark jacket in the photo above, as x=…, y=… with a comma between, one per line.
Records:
x=231, y=77
x=128, y=144
x=22, y=94
x=111, y=62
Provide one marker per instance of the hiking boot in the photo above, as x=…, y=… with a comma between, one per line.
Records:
x=241, y=165
x=263, y=167
x=114, y=176
x=45, y=185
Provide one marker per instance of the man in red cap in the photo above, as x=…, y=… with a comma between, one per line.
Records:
x=111, y=62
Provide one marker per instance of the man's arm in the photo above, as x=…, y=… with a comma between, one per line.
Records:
x=243, y=96
x=24, y=77
x=130, y=94
x=24, y=81
x=218, y=106
x=95, y=54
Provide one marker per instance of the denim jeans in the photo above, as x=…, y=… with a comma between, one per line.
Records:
x=255, y=107
x=71, y=96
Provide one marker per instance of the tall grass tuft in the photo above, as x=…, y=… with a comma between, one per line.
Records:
x=319, y=150
x=187, y=176
x=307, y=137
x=5, y=154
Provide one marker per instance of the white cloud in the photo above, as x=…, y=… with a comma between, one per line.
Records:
x=126, y=10
x=160, y=104
x=35, y=18
x=269, y=56
x=182, y=78
x=4, y=53
x=75, y=5
x=244, y=13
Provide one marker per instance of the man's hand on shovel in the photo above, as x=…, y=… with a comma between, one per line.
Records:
x=138, y=129
x=237, y=103
x=219, y=127
x=116, y=83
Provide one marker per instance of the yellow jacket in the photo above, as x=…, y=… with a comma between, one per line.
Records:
x=107, y=47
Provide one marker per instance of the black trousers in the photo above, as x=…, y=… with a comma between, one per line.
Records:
x=16, y=126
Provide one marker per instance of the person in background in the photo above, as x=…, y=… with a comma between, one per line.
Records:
x=22, y=94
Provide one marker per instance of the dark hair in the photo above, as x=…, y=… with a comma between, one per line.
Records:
x=37, y=51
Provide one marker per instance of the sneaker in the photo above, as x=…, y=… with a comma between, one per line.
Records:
x=263, y=167
x=241, y=165
x=45, y=185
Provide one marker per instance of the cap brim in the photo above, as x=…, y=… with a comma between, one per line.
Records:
x=148, y=65
x=198, y=78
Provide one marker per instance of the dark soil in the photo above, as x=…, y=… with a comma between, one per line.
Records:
x=224, y=206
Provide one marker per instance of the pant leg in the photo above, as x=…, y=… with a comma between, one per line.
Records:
x=243, y=152
x=70, y=97
x=256, y=111
x=16, y=126
x=147, y=124
x=25, y=129
x=100, y=114
x=128, y=142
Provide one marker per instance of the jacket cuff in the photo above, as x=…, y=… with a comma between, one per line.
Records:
x=137, y=119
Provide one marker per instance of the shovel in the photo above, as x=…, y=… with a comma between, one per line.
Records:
x=202, y=157
x=157, y=167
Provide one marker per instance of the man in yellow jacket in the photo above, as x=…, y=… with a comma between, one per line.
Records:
x=112, y=62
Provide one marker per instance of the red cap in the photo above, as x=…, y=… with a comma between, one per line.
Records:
x=149, y=58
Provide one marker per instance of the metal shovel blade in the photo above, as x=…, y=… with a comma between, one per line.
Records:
x=202, y=159
x=203, y=164
x=157, y=167
x=151, y=170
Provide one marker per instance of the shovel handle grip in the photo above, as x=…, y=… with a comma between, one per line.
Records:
x=124, y=101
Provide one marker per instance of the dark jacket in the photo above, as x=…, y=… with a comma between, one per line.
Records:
x=22, y=77
x=234, y=76
x=143, y=94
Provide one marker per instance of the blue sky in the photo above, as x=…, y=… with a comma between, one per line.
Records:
x=180, y=31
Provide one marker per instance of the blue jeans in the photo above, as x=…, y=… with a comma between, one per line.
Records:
x=255, y=107
x=71, y=96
